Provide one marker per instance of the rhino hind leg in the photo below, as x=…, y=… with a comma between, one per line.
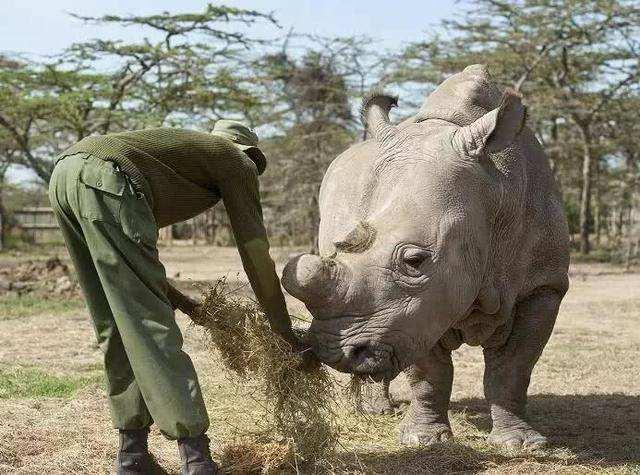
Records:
x=427, y=421
x=508, y=372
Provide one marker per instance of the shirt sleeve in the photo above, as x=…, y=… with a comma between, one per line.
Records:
x=240, y=194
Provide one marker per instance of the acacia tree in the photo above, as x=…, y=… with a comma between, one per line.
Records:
x=184, y=75
x=6, y=159
x=623, y=197
x=308, y=101
x=572, y=58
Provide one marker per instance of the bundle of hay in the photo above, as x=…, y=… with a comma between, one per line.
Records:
x=299, y=403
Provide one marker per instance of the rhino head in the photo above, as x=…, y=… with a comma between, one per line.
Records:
x=407, y=228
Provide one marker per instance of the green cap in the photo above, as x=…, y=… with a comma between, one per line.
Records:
x=244, y=138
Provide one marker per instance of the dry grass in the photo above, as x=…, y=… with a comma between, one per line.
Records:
x=257, y=457
x=300, y=418
x=585, y=395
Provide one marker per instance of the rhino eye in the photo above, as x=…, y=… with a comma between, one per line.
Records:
x=413, y=258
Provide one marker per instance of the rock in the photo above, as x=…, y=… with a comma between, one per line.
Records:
x=5, y=284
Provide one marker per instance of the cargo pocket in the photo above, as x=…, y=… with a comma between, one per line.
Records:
x=137, y=219
x=100, y=198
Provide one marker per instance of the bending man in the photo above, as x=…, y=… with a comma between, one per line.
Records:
x=111, y=194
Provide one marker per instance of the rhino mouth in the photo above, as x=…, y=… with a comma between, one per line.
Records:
x=358, y=349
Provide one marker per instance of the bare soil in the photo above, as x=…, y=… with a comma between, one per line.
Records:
x=584, y=395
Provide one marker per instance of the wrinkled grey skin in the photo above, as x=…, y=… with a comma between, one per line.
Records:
x=442, y=230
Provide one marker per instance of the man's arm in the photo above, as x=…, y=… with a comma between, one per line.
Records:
x=241, y=197
x=180, y=301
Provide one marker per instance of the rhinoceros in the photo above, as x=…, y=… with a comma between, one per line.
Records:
x=444, y=229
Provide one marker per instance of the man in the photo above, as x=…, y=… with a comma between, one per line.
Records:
x=111, y=194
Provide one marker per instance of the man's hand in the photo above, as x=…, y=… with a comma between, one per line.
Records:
x=182, y=302
x=309, y=362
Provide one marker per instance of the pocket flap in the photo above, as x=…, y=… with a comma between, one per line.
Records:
x=103, y=178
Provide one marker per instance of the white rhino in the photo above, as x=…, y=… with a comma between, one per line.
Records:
x=442, y=230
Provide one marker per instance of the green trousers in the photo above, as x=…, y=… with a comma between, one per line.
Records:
x=111, y=235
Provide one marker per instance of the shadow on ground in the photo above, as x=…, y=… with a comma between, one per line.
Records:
x=603, y=429
x=599, y=430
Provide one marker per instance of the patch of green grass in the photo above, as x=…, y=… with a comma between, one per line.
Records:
x=14, y=306
x=35, y=383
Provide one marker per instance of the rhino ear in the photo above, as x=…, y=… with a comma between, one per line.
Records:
x=495, y=130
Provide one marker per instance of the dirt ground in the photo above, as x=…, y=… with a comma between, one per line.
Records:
x=584, y=395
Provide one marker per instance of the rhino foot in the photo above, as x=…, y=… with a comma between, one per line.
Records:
x=523, y=438
x=414, y=433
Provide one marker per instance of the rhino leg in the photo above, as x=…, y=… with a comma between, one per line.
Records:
x=508, y=371
x=427, y=421
x=377, y=400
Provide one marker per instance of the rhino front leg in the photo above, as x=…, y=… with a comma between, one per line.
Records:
x=508, y=372
x=427, y=421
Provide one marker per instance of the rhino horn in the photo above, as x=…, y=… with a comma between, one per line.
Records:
x=494, y=131
x=374, y=113
x=310, y=278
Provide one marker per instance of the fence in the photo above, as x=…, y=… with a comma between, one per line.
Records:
x=38, y=224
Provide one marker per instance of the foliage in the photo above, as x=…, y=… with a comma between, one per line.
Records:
x=575, y=61
x=189, y=74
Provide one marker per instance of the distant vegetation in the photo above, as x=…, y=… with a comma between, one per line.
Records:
x=575, y=61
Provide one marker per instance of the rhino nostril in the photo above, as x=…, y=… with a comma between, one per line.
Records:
x=361, y=353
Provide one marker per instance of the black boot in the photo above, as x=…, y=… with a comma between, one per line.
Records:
x=133, y=456
x=196, y=456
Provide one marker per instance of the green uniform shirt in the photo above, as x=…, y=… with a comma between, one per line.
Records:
x=182, y=173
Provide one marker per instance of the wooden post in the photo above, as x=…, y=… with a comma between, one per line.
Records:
x=166, y=235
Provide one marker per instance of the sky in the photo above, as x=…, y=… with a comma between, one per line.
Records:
x=38, y=28
x=43, y=27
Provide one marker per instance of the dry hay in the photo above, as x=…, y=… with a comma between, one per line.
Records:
x=301, y=424
x=252, y=457
x=361, y=393
x=357, y=391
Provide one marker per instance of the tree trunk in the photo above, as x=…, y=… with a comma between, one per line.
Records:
x=194, y=230
x=2, y=219
x=3, y=216
x=585, y=199
x=597, y=205
x=212, y=227
x=632, y=241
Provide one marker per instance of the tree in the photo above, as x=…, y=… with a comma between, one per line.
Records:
x=572, y=58
x=309, y=97
x=185, y=76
